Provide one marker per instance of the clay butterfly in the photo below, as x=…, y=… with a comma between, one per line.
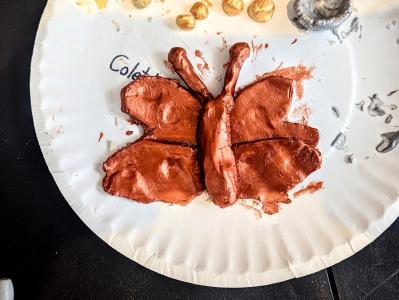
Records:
x=235, y=146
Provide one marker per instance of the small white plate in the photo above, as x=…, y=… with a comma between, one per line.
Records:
x=75, y=85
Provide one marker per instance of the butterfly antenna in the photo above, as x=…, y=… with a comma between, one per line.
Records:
x=238, y=54
x=182, y=66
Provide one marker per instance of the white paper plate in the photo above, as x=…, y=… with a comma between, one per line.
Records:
x=75, y=96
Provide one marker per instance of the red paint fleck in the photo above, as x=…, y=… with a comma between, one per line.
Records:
x=272, y=204
x=204, y=67
x=219, y=33
x=294, y=41
x=303, y=113
x=100, y=136
x=58, y=130
x=224, y=42
x=225, y=65
x=257, y=212
x=129, y=132
x=256, y=48
x=311, y=188
x=168, y=65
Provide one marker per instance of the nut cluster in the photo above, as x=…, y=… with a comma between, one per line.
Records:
x=259, y=10
x=199, y=11
x=141, y=3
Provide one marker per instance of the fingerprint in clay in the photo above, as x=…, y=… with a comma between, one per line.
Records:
x=235, y=145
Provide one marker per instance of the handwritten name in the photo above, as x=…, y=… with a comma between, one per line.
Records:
x=120, y=64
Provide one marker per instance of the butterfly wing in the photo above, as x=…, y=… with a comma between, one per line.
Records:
x=272, y=154
x=260, y=111
x=269, y=169
x=162, y=166
x=147, y=171
x=165, y=109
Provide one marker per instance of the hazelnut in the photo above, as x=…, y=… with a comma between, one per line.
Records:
x=199, y=11
x=141, y=3
x=233, y=7
x=185, y=22
x=261, y=10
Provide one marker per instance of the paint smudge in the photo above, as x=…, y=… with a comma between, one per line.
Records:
x=388, y=119
x=256, y=49
x=272, y=205
x=224, y=44
x=129, y=132
x=302, y=113
x=117, y=26
x=294, y=41
x=375, y=106
x=350, y=159
x=108, y=146
x=253, y=208
x=336, y=111
x=168, y=66
x=100, y=137
x=204, y=67
x=360, y=105
x=392, y=93
x=354, y=27
x=311, y=188
x=390, y=141
x=297, y=74
x=339, y=142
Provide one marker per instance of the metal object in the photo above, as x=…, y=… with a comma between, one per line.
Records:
x=6, y=289
x=322, y=14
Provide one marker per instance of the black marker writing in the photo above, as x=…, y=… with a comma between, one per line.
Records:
x=132, y=72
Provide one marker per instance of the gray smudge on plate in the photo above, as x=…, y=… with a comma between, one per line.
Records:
x=360, y=105
x=393, y=107
x=390, y=141
x=375, y=106
x=339, y=142
x=322, y=14
x=336, y=111
x=353, y=28
x=350, y=159
x=392, y=93
x=388, y=119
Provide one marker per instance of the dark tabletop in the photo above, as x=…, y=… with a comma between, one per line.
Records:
x=50, y=254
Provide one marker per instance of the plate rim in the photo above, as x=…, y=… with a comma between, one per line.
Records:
x=180, y=272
